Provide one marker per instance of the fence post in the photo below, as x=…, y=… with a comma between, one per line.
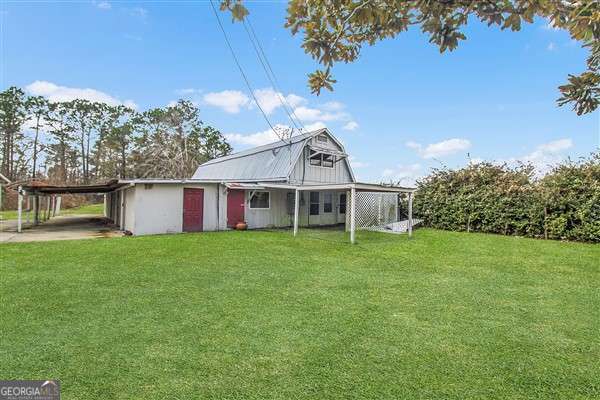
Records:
x=353, y=215
x=296, y=211
x=410, y=218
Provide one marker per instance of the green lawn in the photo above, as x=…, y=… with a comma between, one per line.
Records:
x=85, y=209
x=262, y=315
x=97, y=209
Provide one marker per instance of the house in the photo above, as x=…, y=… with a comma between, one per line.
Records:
x=306, y=180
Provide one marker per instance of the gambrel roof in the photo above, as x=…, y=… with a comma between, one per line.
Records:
x=271, y=162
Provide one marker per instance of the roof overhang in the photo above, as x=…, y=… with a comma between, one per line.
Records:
x=361, y=187
x=37, y=188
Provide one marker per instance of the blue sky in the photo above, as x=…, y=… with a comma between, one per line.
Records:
x=400, y=110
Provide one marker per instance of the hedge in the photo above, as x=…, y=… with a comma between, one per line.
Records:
x=484, y=197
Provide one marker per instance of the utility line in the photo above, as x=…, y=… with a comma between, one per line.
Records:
x=260, y=53
x=242, y=70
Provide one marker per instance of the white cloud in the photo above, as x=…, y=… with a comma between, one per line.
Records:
x=551, y=46
x=546, y=155
x=270, y=99
x=295, y=100
x=57, y=93
x=314, y=126
x=104, y=5
x=334, y=106
x=230, y=101
x=350, y=126
x=440, y=149
x=556, y=146
x=403, y=174
x=315, y=114
x=258, y=138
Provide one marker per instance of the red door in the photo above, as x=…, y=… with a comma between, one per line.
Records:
x=235, y=207
x=193, y=209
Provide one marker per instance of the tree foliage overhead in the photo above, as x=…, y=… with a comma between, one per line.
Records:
x=336, y=31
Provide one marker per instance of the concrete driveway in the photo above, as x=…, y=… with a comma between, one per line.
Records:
x=67, y=227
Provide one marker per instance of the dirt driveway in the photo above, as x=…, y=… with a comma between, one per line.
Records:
x=65, y=227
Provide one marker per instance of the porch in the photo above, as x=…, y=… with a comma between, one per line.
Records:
x=354, y=205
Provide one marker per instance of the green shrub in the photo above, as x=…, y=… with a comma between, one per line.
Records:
x=483, y=197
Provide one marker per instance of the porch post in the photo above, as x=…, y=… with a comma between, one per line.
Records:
x=352, y=214
x=296, y=211
x=410, y=218
x=20, y=209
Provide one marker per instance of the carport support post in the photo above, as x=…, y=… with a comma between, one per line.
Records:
x=296, y=211
x=48, y=200
x=410, y=218
x=57, y=205
x=20, y=210
x=36, y=209
x=352, y=215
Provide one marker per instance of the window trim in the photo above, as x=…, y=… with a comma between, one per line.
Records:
x=320, y=138
x=251, y=194
x=325, y=202
x=311, y=203
x=321, y=159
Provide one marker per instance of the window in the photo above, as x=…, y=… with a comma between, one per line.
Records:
x=342, y=203
x=260, y=200
x=322, y=138
x=290, y=202
x=315, y=158
x=314, y=203
x=319, y=159
x=327, y=202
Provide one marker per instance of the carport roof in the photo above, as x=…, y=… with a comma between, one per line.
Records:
x=41, y=188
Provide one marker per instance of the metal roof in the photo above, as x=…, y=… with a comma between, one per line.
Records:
x=271, y=162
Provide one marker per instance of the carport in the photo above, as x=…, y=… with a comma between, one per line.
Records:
x=46, y=199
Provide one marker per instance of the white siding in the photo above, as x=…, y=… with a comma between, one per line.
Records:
x=129, y=219
x=159, y=209
x=277, y=215
x=305, y=173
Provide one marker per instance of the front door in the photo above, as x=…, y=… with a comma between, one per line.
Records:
x=235, y=207
x=193, y=209
x=341, y=215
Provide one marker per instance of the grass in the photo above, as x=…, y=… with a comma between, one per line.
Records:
x=84, y=209
x=258, y=315
x=96, y=209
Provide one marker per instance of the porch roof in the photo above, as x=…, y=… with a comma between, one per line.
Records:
x=358, y=186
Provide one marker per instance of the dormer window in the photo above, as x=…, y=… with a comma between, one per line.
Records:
x=319, y=159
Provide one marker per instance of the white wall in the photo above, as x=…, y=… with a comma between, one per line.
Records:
x=159, y=209
x=303, y=172
x=129, y=210
x=277, y=215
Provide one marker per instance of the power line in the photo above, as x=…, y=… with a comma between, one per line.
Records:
x=242, y=70
x=260, y=53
